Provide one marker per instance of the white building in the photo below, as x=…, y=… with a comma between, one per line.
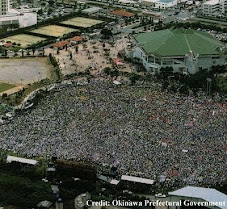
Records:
x=163, y=4
x=182, y=50
x=4, y=6
x=211, y=8
x=22, y=18
x=214, y=7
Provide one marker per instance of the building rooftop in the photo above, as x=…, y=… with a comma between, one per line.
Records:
x=207, y=194
x=212, y=2
x=137, y=179
x=165, y=1
x=92, y=10
x=44, y=204
x=122, y=13
x=178, y=42
x=20, y=160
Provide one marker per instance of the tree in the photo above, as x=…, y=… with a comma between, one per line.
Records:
x=106, y=32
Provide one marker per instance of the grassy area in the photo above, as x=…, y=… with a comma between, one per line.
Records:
x=82, y=22
x=26, y=187
x=53, y=30
x=24, y=40
x=5, y=86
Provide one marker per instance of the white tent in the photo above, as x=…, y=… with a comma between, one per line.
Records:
x=20, y=160
x=137, y=179
x=207, y=194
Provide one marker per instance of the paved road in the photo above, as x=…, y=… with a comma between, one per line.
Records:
x=210, y=21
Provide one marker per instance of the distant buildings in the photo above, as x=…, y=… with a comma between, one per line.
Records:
x=20, y=18
x=4, y=6
x=214, y=7
x=161, y=4
x=182, y=50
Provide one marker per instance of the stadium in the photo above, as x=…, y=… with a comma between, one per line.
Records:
x=184, y=50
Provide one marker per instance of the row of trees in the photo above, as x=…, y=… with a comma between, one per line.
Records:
x=191, y=81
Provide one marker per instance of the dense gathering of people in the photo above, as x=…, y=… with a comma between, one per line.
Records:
x=145, y=132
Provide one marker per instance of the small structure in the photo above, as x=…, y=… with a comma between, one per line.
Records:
x=61, y=44
x=77, y=39
x=91, y=10
x=163, y=4
x=45, y=204
x=11, y=159
x=206, y=197
x=137, y=179
x=108, y=180
x=118, y=62
x=8, y=44
x=122, y=13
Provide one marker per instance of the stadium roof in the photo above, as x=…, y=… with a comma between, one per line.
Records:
x=20, y=160
x=207, y=194
x=178, y=42
x=137, y=179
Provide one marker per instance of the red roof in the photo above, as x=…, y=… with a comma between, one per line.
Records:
x=118, y=62
x=122, y=13
x=61, y=44
x=77, y=38
x=8, y=45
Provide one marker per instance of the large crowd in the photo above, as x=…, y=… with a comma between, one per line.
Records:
x=143, y=131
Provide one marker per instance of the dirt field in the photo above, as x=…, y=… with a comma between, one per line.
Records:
x=24, y=71
x=82, y=22
x=53, y=30
x=23, y=39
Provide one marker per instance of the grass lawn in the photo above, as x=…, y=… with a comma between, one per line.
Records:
x=82, y=22
x=54, y=30
x=5, y=86
x=24, y=40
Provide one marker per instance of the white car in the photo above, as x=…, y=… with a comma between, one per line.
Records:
x=160, y=195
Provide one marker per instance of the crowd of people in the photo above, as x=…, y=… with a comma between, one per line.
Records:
x=142, y=131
